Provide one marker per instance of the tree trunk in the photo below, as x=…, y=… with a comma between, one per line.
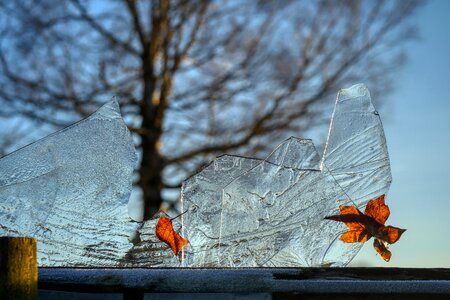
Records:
x=150, y=173
x=152, y=112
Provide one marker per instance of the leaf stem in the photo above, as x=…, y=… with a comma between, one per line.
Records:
x=179, y=215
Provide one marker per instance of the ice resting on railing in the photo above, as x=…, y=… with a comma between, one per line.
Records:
x=269, y=213
x=70, y=191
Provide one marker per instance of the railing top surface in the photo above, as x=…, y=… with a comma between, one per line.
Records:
x=249, y=280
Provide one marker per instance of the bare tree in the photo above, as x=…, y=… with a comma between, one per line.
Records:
x=195, y=78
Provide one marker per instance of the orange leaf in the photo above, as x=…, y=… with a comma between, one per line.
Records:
x=351, y=216
x=380, y=247
x=363, y=226
x=390, y=234
x=164, y=231
x=354, y=236
x=377, y=210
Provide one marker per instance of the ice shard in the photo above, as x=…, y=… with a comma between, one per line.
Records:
x=70, y=191
x=249, y=213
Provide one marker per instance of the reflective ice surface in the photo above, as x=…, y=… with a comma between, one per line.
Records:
x=70, y=191
x=249, y=213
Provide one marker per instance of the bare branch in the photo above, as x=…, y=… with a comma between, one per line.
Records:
x=131, y=4
x=110, y=37
x=195, y=78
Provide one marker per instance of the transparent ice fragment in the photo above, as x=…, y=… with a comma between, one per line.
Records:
x=70, y=191
x=296, y=153
x=356, y=152
x=251, y=213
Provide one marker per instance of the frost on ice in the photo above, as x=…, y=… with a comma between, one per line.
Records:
x=250, y=213
x=70, y=191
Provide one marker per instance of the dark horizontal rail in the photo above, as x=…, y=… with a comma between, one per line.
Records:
x=249, y=280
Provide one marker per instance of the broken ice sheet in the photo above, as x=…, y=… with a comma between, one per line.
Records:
x=70, y=191
x=251, y=213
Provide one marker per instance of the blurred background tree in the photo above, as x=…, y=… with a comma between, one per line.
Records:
x=194, y=78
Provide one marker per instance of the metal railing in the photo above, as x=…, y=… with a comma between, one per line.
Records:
x=250, y=280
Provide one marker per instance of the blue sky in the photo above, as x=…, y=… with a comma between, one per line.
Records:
x=418, y=135
x=417, y=128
